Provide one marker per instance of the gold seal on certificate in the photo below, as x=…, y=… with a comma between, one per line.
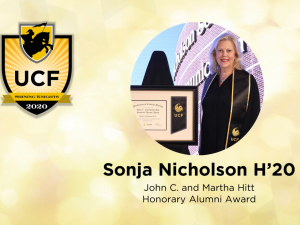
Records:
x=152, y=115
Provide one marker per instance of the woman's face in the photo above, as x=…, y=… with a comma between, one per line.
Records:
x=225, y=54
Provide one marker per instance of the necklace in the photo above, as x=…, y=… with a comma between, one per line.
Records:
x=223, y=78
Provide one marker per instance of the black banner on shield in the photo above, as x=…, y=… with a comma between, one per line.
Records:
x=178, y=117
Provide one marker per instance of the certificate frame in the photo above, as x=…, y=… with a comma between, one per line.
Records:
x=187, y=136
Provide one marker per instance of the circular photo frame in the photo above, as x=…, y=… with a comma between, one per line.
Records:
x=197, y=88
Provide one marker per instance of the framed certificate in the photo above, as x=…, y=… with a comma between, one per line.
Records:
x=169, y=114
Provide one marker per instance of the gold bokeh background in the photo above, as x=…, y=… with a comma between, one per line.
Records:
x=52, y=165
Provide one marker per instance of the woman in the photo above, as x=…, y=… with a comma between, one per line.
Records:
x=230, y=98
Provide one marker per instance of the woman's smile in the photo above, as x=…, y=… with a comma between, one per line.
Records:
x=225, y=54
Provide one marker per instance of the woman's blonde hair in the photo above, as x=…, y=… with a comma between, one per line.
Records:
x=213, y=64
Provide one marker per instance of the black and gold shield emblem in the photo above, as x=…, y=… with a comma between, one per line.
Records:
x=36, y=67
x=36, y=40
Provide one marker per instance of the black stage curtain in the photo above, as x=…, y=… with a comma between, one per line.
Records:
x=158, y=73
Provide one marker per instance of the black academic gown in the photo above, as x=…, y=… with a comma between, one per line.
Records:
x=158, y=73
x=216, y=107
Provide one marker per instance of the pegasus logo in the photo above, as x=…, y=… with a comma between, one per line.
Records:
x=178, y=108
x=235, y=132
